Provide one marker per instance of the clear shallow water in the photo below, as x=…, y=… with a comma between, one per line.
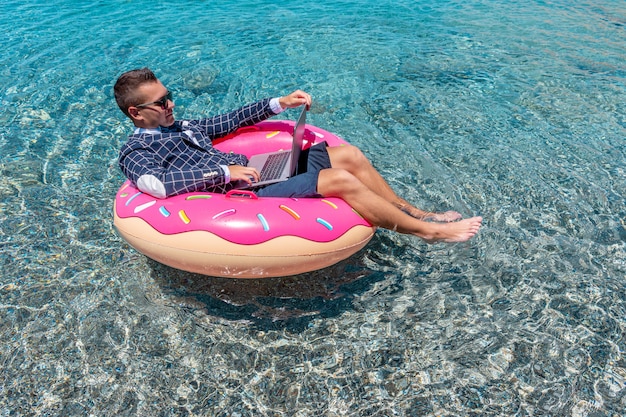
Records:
x=513, y=112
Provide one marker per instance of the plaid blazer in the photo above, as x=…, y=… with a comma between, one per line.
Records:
x=181, y=158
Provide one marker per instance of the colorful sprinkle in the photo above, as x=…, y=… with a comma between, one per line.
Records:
x=183, y=217
x=324, y=223
x=266, y=226
x=224, y=213
x=164, y=211
x=124, y=195
x=198, y=197
x=330, y=203
x=133, y=197
x=290, y=211
x=144, y=206
x=272, y=134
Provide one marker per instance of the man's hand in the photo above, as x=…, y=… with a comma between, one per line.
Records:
x=295, y=99
x=247, y=174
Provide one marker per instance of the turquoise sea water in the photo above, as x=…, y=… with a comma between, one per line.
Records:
x=510, y=110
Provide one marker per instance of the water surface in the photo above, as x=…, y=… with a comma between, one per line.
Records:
x=510, y=111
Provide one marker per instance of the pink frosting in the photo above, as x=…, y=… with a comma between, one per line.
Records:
x=242, y=217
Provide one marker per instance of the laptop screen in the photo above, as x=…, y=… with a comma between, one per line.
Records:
x=298, y=139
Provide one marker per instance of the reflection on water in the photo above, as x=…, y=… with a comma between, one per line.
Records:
x=513, y=112
x=324, y=293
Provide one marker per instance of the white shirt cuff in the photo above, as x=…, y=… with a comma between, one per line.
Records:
x=226, y=173
x=275, y=106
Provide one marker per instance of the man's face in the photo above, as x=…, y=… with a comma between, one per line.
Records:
x=150, y=113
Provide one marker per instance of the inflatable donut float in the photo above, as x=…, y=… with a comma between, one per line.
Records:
x=238, y=234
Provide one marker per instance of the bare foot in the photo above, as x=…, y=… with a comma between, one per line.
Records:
x=452, y=232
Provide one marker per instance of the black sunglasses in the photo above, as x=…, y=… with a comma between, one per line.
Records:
x=163, y=101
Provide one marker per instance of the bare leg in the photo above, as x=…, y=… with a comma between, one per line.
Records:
x=352, y=160
x=379, y=211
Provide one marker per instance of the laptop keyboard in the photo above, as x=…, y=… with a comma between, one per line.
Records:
x=274, y=166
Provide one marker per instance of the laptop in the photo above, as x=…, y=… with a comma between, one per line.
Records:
x=278, y=166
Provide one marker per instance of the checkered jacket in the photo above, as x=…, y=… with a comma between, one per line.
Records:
x=181, y=158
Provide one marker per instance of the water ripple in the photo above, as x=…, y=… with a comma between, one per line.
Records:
x=511, y=111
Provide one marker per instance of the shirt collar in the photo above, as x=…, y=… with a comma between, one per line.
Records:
x=150, y=131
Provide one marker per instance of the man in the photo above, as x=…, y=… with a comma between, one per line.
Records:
x=165, y=157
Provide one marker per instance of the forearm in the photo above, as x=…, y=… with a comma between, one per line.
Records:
x=218, y=126
x=169, y=184
x=160, y=182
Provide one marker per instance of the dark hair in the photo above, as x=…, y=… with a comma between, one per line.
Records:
x=127, y=86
